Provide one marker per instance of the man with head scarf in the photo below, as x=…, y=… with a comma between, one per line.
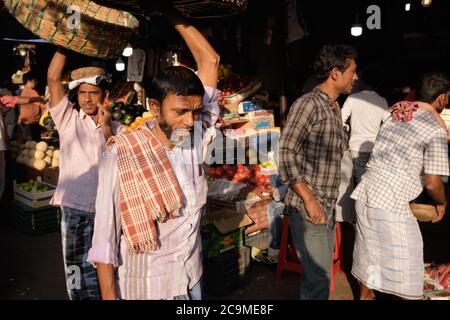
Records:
x=410, y=154
x=82, y=137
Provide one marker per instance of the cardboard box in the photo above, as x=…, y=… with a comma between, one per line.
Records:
x=262, y=119
x=222, y=230
x=50, y=175
x=248, y=106
x=254, y=208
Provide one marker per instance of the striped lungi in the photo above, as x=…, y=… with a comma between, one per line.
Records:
x=388, y=252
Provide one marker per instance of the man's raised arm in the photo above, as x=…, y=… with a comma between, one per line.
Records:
x=54, y=75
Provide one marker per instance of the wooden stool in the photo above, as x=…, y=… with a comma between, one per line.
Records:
x=288, y=260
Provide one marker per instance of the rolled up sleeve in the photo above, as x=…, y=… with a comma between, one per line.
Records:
x=299, y=123
x=211, y=108
x=107, y=226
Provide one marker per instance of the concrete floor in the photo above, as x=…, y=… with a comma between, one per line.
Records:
x=32, y=267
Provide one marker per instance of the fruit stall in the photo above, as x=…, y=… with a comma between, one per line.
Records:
x=241, y=171
x=241, y=174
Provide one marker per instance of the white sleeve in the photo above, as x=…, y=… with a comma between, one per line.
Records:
x=107, y=225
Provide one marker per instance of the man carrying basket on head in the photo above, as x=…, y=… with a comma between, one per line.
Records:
x=82, y=137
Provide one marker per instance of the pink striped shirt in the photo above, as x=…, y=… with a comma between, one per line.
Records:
x=81, y=147
x=177, y=265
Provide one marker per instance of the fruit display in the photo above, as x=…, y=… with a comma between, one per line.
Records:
x=140, y=121
x=231, y=84
x=240, y=174
x=437, y=277
x=33, y=186
x=36, y=155
x=125, y=113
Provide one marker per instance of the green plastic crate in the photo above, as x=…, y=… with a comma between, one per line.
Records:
x=214, y=243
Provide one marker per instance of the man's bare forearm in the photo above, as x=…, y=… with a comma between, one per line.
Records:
x=435, y=189
x=26, y=100
x=54, y=75
x=105, y=274
x=204, y=54
x=303, y=191
x=107, y=132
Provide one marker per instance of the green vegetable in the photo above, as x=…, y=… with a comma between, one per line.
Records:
x=127, y=119
x=33, y=186
x=117, y=115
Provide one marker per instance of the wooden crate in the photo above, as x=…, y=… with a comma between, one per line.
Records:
x=34, y=199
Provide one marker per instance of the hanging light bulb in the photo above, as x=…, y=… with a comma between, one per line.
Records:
x=427, y=3
x=23, y=52
x=128, y=51
x=357, y=28
x=408, y=6
x=120, y=65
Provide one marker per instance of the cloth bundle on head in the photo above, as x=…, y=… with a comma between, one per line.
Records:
x=403, y=111
x=90, y=75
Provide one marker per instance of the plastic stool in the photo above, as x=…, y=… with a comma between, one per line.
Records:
x=288, y=260
x=287, y=257
x=337, y=256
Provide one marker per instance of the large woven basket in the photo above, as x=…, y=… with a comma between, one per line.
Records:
x=102, y=32
x=210, y=8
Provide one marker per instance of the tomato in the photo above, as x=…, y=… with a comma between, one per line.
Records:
x=219, y=172
x=212, y=172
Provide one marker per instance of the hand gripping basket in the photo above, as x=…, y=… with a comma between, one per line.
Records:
x=79, y=25
x=423, y=212
x=210, y=8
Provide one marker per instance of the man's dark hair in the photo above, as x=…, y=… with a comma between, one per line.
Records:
x=28, y=77
x=432, y=85
x=174, y=80
x=333, y=56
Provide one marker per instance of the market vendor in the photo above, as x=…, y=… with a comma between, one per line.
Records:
x=147, y=224
x=82, y=137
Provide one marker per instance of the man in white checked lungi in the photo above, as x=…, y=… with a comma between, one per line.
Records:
x=410, y=154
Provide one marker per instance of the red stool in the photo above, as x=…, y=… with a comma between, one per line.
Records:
x=287, y=257
x=288, y=260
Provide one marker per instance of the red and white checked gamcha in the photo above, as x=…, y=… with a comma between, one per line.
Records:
x=149, y=190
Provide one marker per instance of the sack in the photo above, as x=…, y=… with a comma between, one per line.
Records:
x=423, y=212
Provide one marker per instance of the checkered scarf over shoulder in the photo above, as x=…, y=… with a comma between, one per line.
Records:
x=149, y=190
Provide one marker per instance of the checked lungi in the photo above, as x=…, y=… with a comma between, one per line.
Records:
x=77, y=228
x=388, y=252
